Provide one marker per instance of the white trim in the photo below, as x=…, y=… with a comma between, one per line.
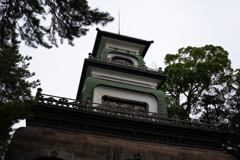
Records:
x=134, y=60
x=121, y=77
x=100, y=91
x=133, y=48
x=121, y=50
x=121, y=80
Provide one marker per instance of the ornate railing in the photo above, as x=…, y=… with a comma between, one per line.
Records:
x=122, y=112
x=126, y=64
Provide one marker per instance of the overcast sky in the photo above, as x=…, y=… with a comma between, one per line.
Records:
x=172, y=24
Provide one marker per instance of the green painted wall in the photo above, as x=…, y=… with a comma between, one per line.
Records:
x=106, y=51
x=92, y=83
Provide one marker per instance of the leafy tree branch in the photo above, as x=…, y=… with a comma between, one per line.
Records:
x=69, y=20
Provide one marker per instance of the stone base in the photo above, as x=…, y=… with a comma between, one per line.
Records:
x=30, y=143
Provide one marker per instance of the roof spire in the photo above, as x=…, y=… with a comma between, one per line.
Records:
x=118, y=21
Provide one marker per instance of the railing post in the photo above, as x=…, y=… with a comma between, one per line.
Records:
x=38, y=94
x=133, y=110
x=88, y=102
x=90, y=55
x=175, y=118
x=214, y=123
x=160, y=70
x=111, y=109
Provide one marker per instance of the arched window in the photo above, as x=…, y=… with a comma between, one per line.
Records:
x=122, y=60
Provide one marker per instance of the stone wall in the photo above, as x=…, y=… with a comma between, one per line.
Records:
x=29, y=143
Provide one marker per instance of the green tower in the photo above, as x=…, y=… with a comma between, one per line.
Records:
x=115, y=74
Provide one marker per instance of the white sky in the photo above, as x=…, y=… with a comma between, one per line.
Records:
x=172, y=24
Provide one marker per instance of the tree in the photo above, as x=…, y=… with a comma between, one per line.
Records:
x=232, y=143
x=15, y=92
x=25, y=18
x=205, y=77
x=223, y=105
x=191, y=72
x=69, y=19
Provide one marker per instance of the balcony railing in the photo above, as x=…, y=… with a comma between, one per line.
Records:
x=144, y=68
x=121, y=112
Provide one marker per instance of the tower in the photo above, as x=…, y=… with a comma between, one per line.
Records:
x=115, y=75
x=119, y=114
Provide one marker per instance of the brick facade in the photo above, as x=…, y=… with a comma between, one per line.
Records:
x=29, y=143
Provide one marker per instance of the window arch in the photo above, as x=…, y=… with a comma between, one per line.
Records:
x=122, y=60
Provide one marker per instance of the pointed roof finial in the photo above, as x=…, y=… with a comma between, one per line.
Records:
x=118, y=21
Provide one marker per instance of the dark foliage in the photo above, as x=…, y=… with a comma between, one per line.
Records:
x=211, y=88
x=171, y=106
x=15, y=92
x=190, y=73
x=222, y=104
x=27, y=20
x=68, y=20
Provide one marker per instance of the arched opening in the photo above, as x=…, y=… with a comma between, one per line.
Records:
x=122, y=60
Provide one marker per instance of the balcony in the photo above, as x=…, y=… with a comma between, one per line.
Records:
x=127, y=65
x=130, y=113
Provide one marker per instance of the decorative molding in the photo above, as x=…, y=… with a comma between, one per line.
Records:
x=132, y=102
x=126, y=65
x=121, y=80
x=133, y=59
x=130, y=114
x=54, y=112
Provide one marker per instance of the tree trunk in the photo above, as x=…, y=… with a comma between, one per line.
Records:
x=178, y=101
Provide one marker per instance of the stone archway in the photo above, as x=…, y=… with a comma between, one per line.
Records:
x=48, y=154
x=130, y=155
